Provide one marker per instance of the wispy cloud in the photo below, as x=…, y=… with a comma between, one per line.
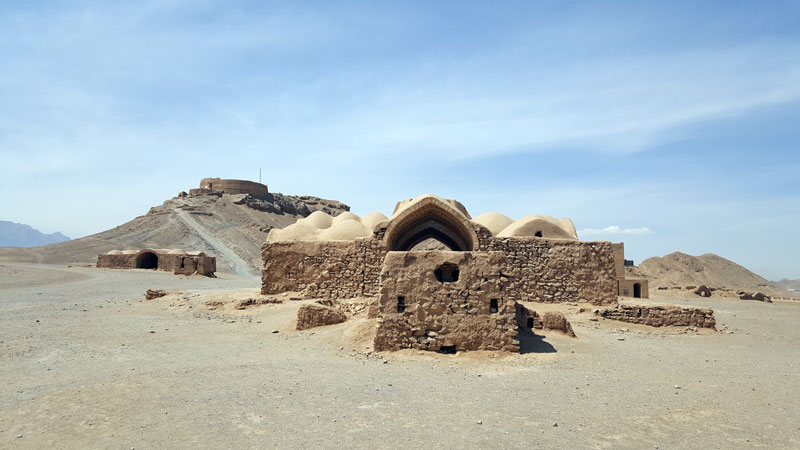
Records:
x=614, y=230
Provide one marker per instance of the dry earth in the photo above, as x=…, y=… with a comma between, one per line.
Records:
x=86, y=362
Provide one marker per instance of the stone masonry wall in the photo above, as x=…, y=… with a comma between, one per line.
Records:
x=435, y=314
x=658, y=315
x=556, y=271
x=338, y=269
x=542, y=270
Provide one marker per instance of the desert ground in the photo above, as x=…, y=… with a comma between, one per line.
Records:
x=86, y=362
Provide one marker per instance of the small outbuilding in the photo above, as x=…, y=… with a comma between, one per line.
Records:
x=178, y=261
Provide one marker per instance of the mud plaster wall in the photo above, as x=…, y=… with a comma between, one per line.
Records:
x=536, y=269
x=626, y=287
x=204, y=265
x=439, y=313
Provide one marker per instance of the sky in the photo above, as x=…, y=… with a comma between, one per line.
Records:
x=670, y=126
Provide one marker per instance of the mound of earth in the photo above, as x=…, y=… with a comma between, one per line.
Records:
x=230, y=227
x=681, y=271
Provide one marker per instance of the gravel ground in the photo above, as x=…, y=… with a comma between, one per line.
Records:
x=85, y=362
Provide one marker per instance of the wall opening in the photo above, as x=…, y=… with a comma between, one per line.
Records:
x=493, y=308
x=147, y=260
x=530, y=323
x=430, y=221
x=401, y=304
x=183, y=263
x=637, y=290
x=448, y=349
x=538, y=234
x=447, y=273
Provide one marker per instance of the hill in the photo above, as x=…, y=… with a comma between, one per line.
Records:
x=20, y=235
x=230, y=227
x=679, y=270
x=788, y=284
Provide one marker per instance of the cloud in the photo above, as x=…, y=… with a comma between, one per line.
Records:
x=614, y=230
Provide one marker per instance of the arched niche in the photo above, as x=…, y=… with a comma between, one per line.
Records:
x=427, y=218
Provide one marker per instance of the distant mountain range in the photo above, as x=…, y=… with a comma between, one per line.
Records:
x=788, y=284
x=20, y=235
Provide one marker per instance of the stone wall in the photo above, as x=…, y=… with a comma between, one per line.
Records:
x=626, y=287
x=178, y=263
x=234, y=187
x=543, y=270
x=337, y=269
x=556, y=271
x=420, y=309
x=662, y=315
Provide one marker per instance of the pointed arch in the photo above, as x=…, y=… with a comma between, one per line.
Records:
x=430, y=217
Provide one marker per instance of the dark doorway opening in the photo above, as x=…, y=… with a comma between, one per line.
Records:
x=448, y=349
x=493, y=308
x=447, y=273
x=637, y=290
x=530, y=322
x=147, y=260
x=401, y=304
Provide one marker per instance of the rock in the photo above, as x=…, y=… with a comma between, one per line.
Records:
x=314, y=315
x=553, y=320
x=275, y=331
x=703, y=291
x=480, y=422
x=154, y=293
x=754, y=296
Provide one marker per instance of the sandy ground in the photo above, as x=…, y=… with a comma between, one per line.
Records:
x=86, y=362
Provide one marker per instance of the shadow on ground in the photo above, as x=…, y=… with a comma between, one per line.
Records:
x=533, y=343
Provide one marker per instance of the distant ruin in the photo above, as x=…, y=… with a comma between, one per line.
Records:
x=180, y=262
x=464, y=298
x=223, y=186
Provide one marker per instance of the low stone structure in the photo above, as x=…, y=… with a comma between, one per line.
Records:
x=180, y=262
x=224, y=186
x=316, y=315
x=661, y=315
x=461, y=298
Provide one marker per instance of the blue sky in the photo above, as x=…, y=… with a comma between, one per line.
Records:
x=671, y=126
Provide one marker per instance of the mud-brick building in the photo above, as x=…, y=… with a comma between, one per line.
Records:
x=178, y=261
x=443, y=280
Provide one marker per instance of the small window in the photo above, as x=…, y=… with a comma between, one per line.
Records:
x=447, y=273
x=401, y=304
x=538, y=234
x=493, y=306
x=624, y=292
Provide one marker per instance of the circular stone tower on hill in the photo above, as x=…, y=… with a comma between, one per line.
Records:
x=234, y=187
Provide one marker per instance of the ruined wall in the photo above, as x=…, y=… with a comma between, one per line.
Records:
x=234, y=186
x=417, y=310
x=536, y=269
x=116, y=261
x=662, y=315
x=178, y=263
x=556, y=271
x=334, y=269
x=619, y=260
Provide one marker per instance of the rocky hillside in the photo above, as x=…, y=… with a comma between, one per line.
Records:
x=20, y=235
x=240, y=223
x=679, y=270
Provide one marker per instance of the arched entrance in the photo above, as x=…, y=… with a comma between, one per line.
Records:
x=637, y=290
x=430, y=219
x=147, y=260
